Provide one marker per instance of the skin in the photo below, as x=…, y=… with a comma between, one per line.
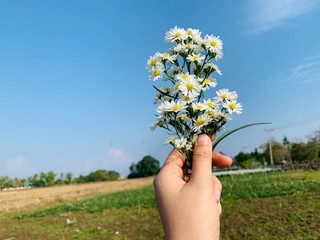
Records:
x=191, y=210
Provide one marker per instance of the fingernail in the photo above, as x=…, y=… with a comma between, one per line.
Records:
x=217, y=194
x=203, y=139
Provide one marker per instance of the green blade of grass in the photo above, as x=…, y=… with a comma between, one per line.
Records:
x=226, y=134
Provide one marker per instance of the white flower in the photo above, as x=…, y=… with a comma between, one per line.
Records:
x=156, y=72
x=213, y=44
x=154, y=61
x=195, y=58
x=195, y=34
x=202, y=120
x=212, y=68
x=219, y=55
x=174, y=106
x=209, y=82
x=183, y=117
x=189, y=146
x=183, y=76
x=175, y=34
x=181, y=48
x=233, y=106
x=180, y=142
x=225, y=95
x=187, y=99
x=210, y=104
x=168, y=57
x=170, y=140
x=198, y=106
x=161, y=109
x=190, y=87
x=154, y=125
x=225, y=117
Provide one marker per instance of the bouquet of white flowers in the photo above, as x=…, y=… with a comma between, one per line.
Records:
x=188, y=68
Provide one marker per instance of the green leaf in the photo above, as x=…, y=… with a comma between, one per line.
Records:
x=226, y=134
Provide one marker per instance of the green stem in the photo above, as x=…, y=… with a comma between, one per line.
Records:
x=219, y=139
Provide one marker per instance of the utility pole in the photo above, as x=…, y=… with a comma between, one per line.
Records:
x=270, y=145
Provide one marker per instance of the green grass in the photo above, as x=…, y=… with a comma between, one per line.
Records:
x=265, y=185
x=255, y=206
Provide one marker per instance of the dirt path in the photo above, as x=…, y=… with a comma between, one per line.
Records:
x=30, y=199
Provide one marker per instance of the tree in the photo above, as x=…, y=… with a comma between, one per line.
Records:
x=249, y=160
x=68, y=179
x=299, y=152
x=241, y=157
x=102, y=175
x=148, y=166
x=277, y=151
x=50, y=178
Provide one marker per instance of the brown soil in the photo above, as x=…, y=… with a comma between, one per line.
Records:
x=30, y=199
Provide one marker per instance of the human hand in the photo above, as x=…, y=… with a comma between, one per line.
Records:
x=191, y=210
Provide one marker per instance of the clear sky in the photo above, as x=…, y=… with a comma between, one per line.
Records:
x=75, y=94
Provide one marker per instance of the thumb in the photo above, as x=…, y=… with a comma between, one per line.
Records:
x=202, y=158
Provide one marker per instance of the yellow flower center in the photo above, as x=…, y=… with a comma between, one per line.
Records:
x=188, y=46
x=184, y=76
x=210, y=104
x=213, y=43
x=232, y=106
x=153, y=62
x=200, y=121
x=176, y=107
x=195, y=57
x=187, y=98
x=206, y=81
x=156, y=72
x=190, y=86
x=190, y=31
x=178, y=34
x=166, y=55
x=224, y=96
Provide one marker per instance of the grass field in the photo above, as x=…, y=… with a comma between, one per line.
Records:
x=255, y=206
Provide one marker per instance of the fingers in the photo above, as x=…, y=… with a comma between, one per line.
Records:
x=176, y=158
x=217, y=189
x=202, y=158
x=221, y=160
x=172, y=167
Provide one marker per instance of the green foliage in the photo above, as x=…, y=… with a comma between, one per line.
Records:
x=148, y=166
x=97, y=176
x=250, y=160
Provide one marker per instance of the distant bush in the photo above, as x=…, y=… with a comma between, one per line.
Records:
x=97, y=176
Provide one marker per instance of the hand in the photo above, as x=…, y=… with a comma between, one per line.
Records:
x=191, y=210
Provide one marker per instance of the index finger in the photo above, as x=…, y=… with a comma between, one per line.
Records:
x=221, y=160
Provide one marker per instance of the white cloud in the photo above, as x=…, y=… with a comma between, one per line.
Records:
x=19, y=167
x=265, y=15
x=307, y=72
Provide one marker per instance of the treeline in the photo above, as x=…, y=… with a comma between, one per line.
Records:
x=271, y=152
x=284, y=152
x=51, y=178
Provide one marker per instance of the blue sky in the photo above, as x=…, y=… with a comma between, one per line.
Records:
x=75, y=94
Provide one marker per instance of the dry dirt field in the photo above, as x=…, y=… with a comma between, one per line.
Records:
x=30, y=199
